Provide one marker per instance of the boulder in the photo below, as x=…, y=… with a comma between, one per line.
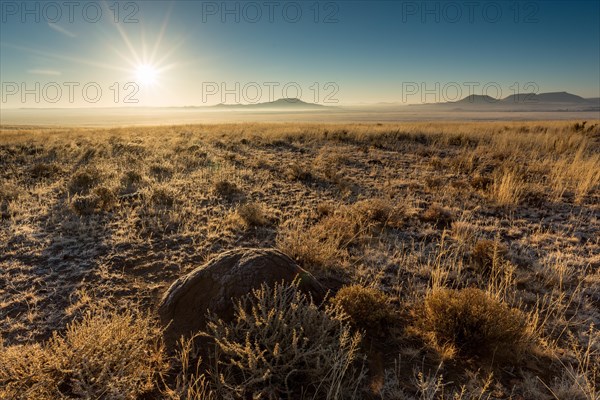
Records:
x=213, y=287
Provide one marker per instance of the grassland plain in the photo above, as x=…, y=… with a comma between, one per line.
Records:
x=477, y=244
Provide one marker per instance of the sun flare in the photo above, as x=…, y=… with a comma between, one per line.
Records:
x=146, y=74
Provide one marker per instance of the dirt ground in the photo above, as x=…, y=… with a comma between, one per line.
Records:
x=113, y=216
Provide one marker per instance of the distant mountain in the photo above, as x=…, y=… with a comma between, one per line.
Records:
x=284, y=103
x=553, y=97
x=476, y=99
x=554, y=101
x=521, y=98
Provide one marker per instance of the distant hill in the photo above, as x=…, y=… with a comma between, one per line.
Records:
x=520, y=98
x=522, y=102
x=553, y=97
x=476, y=99
x=284, y=103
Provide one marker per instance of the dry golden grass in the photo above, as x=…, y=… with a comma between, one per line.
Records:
x=368, y=308
x=420, y=213
x=469, y=322
x=487, y=254
x=105, y=355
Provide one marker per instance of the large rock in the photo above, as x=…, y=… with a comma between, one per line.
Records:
x=228, y=276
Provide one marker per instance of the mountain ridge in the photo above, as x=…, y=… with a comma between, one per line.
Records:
x=285, y=102
x=549, y=101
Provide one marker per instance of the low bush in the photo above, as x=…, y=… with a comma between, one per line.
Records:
x=296, y=172
x=44, y=171
x=105, y=355
x=380, y=211
x=282, y=345
x=487, y=254
x=438, y=215
x=225, y=189
x=470, y=323
x=325, y=244
x=253, y=214
x=367, y=307
x=163, y=196
x=100, y=199
x=84, y=180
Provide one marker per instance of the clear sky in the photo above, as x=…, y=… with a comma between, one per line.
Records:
x=161, y=53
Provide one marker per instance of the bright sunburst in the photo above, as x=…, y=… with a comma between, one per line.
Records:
x=146, y=74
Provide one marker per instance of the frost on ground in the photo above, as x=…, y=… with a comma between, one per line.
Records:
x=494, y=225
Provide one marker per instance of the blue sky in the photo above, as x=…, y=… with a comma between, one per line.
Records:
x=199, y=52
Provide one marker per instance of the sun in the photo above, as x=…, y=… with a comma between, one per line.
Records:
x=146, y=74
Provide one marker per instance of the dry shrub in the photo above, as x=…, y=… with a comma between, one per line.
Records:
x=535, y=196
x=106, y=198
x=44, y=171
x=325, y=244
x=260, y=162
x=161, y=172
x=105, y=355
x=580, y=127
x=328, y=165
x=380, y=211
x=438, y=215
x=226, y=189
x=282, y=345
x=163, y=196
x=313, y=247
x=192, y=162
x=131, y=181
x=481, y=182
x=435, y=182
x=9, y=193
x=87, y=155
x=465, y=162
x=325, y=209
x=84, y=204
x=471, y=323
x=101, y=199
x=367, y=307
x=296, y=172
x=331, y=173
x=131, y=149
x=486, y=254
x=345, y=186
x=84, y=180
x=437, y=163
x=253, y=214
x=331, y=157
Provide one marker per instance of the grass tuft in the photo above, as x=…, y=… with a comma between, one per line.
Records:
x=367, y=307
x=253, y=214
x=470, y=323
x=105, y=355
